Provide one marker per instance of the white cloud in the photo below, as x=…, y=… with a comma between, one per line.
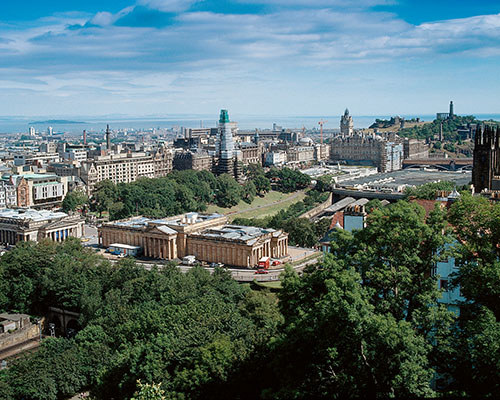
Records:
x=202, y=51
x=169, y=5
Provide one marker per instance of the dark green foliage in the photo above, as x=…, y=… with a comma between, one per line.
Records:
x=428, y=131
x=185, y=331
x=73, y=200
x=177, y=193
x=288, y=180
x=336, y=345
x=429, y=191
x=302, y=232
x=227, y=191
x=474, y=366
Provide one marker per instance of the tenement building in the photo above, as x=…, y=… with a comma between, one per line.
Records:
x=414, y=149
x=198, y=160
x=486, y=164
x=125, y=167
x=208, y=237
x=386, y=155
x=38, y=190
x=18, y=225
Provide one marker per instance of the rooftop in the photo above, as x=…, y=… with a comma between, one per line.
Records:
x=184, y=220
x=30, y=214
x=237, y=232
x=413, y=177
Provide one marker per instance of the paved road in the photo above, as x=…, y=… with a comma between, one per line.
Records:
x=90, y=233
x=240, y=274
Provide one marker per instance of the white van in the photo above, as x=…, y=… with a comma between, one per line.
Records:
x=189, y=260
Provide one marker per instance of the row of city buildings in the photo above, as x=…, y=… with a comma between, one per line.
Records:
x=40, y=175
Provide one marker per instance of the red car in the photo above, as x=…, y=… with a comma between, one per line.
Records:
x=276, y=262
x=261, y=271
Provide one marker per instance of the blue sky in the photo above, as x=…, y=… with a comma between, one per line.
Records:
x=274, y=57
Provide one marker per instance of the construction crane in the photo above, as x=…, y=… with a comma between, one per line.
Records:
x=321, y=123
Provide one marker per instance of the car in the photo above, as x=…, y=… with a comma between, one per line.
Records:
x=276, y=262
x=261, y=271
x=85, y=239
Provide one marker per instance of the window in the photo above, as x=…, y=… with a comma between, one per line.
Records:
x=443, y=284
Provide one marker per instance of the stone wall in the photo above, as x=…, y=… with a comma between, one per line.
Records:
x=17, y=337
x=318, y=209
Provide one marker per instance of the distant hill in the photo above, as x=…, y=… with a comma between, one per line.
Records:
x=56, y=121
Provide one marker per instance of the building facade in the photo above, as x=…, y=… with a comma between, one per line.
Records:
x=346, y=124
x=18, y=225
x=358, y=148
x=38, y=190
x=415, y=149
x=8, y=194
x=125, y=167
x=196, y=160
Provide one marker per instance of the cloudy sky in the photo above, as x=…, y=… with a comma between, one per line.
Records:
x=274, y=57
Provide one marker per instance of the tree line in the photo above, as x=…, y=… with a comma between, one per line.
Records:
x=183, y=191
x=450, y=127
x=366, y=321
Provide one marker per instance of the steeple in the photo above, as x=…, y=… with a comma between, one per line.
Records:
x=346, y=124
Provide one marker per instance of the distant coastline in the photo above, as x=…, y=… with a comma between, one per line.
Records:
x=56, y=121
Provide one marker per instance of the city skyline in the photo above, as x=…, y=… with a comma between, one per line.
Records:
x=170, y=57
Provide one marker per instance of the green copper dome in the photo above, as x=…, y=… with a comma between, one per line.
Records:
x=224, y=116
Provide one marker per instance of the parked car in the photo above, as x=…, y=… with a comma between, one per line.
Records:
x=262, y=271
x=276, y=262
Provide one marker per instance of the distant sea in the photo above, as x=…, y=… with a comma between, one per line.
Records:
x=76, y=124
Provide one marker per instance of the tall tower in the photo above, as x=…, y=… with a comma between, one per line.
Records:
x=346, y=124
x=108, y=138
x=84, y=137
x=451, y=110
x=486, y=164
x=225, y=145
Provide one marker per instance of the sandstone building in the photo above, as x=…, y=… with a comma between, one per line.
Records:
x=18, y=225
x=208, y=237
x=125, y=167
x=387, y=156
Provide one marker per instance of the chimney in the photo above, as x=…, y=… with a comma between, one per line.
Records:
x=108, y=138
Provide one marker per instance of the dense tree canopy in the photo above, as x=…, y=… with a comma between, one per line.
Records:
x=185, y=191
x=363, y=322
x=288, y=180
x=429, y=130
x=74, y=200
x=185, y=331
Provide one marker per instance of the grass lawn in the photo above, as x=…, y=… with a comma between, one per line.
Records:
x=270, y=204
x=269, y=285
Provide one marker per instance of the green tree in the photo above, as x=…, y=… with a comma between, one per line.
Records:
x=429, y=191
x=228, y=191
x=74, y=200
x=333, y=340
x=105, y=194
x=262, y=184
x=301, y=232
x=146, y=391
x=249, y=191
